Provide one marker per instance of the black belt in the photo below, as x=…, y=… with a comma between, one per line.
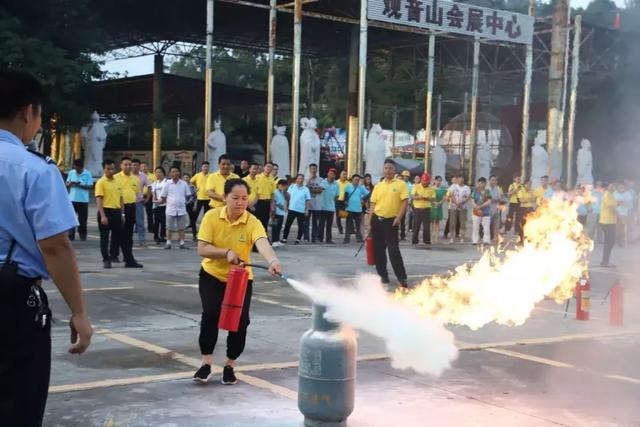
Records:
x=380, y=218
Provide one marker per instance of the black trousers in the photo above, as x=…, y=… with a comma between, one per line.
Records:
x=277, y=227
x=159, y=223
x=609, y=231
x=111, y=236
x=211, y=295
x=263, y=212
x=512, y=217
x=82, y=210
x=201, y=205
x=522, y=217
x=314, y=222
x=385, y=238
x=193, y=218
x=325, y=226
x=340, y=205
x=148, y=207
x=291, y=216
x=25, y=359
x=403, y=221
x=126, y=236
x=354, y=225
x=421, y=217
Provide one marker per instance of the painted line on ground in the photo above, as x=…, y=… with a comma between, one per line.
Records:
x=523, y=356
x=558, y=364
x=67, y=388
x=196, y=363
x=168, y=282
x=289, y=306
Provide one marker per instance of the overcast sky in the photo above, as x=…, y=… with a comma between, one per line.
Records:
x=144, y=65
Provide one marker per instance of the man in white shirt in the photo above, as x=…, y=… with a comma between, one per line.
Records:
x=458, y=195
x=174, y=193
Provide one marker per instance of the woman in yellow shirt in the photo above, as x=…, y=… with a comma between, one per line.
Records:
x=527, y=201
x=608, y=220
x=227, y=235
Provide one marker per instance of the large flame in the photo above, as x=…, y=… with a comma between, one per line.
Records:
x=504, y=286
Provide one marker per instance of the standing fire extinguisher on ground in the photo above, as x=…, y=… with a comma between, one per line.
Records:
x=227, y=235
x=583, y=299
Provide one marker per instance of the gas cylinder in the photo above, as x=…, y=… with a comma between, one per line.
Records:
x=371, y=259
x=233, y=301
x=583, y=299
x=327, y=372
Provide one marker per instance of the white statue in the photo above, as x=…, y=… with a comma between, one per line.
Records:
x=93, y=138
x=217, y=143
x=309, y=145
x=280, y=151
x=539, y=159
x=438, y=159
x=375, y=153
x=585, y=163
x=483, y=157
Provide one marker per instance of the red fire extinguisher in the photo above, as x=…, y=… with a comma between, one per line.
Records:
x=233, y=299
x=371, y=259
x=583, y=300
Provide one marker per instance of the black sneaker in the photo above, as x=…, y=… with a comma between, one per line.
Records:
x=133, y=264
x=115, y=259
x=202, y=375
x=228, y=377
x=106, y=264
x=384, y=280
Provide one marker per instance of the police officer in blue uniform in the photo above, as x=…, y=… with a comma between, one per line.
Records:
x=35, y=217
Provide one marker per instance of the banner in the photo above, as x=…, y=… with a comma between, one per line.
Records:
x=457, y=18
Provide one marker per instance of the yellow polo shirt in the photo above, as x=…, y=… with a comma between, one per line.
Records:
x=266, y=187
x=239, y=236
x=199, y=180
x=253, y=185
x=342, y=185
x=539, y=193
x=388, y=196
x=420, y=190
x=514, y=186
x=110, y=191
x=608, y=207
x=130, y=186
x=527, y=198
x=215, y=183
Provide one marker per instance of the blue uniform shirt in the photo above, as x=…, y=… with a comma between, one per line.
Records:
x=355, y=194
x=329, y=195
x=77, y=194
x=279, y=202
x=298, y=197
x=35, y=205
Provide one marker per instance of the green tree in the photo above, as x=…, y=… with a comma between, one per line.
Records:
x=53, y=43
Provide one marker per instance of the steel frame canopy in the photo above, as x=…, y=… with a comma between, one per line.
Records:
x=246, y=24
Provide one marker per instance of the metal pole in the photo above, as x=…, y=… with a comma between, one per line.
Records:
x=439, y=115
x=362, y=80
x=270, y=78
x=208, y=79
x=526, y=101
x=556, y=86
x=178, y=130
x=394, y=125
x=295, y=91
x=427, y=127
x=474, y=109
x=352, y=102
x=575, y=68
x=158, y=65
x=565, y=80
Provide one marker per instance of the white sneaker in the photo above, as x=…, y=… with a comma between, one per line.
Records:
x=277, y=245
x=451, y=241
x=462, y=240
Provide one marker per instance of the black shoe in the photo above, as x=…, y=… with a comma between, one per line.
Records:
x=330, y=242
x=83, y=239
x=385, y=280
x=228, y=377
x=133, y=264
x=72, y=237
x=346, y=241
x=115, y=259
x=106, y=264
x=359, y=240
x=202, y=375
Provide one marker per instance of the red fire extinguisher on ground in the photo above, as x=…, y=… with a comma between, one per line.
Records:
x=371, y=259
x=233, y=301
x=583, y=299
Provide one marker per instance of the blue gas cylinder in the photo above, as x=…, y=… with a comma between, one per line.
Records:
x=327, y=373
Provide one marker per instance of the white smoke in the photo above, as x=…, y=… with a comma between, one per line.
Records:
x=412, y=341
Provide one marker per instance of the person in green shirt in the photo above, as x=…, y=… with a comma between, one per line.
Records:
x=437, y=213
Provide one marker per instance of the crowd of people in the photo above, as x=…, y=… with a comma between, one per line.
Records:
x=175, y=204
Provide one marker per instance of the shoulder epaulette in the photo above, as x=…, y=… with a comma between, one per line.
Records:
x=47, y=159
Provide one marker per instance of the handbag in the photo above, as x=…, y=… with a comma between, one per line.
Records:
x=342, y=213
